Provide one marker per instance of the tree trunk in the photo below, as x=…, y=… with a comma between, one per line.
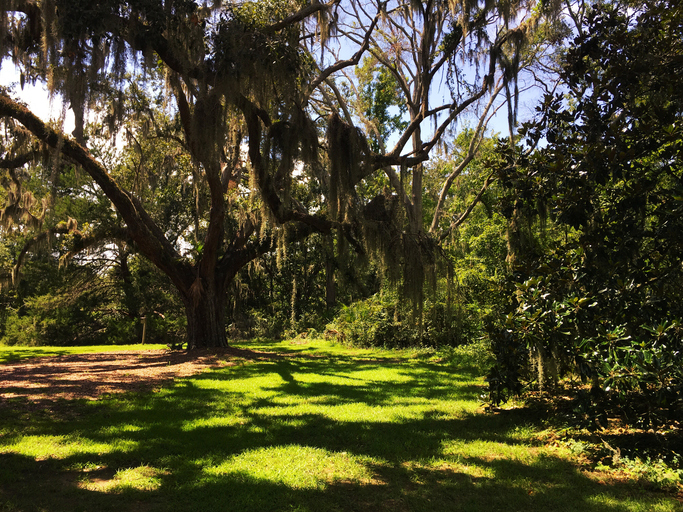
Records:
x=330, y=285
x=517, y=241
x=131, y=302
x=206, y=319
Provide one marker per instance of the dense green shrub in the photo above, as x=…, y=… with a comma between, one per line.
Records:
x=606, y=304
x=384, y=320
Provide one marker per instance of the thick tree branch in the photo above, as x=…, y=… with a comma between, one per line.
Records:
x=99, y=237
x=144, y=231
x=265, y=181
x=17, y=161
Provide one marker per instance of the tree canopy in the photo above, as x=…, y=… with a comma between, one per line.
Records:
x=246, y=99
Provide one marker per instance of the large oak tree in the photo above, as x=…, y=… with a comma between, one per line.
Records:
x=256, y=89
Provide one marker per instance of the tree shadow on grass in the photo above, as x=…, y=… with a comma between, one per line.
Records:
x=9, y=355
x=420, y=462
x=425, y=380
x=547, y=485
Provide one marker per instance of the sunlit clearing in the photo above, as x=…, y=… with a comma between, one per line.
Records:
x=299, y=467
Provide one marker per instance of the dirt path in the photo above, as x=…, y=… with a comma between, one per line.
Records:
x=90, y=376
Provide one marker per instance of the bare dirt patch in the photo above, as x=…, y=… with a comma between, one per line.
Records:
x=90, y=376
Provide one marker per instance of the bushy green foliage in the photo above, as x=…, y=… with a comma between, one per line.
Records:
x=49, y=320
x=379, y=102
x=384, y=320
x=606, y=303
x=654, y=473
x=476, y=354
x=76, y=305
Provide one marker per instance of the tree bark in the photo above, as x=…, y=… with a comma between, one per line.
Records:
x=205, y=312
x=517, y=240
x=330, y=285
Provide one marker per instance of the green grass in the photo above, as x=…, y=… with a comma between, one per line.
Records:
x=325, y=428
x=10, y=354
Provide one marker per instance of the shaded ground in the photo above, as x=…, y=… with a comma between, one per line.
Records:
x=371, y=435
x=89, y=376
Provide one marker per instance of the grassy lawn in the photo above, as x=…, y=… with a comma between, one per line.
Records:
x=13, y=354
x=325, y=428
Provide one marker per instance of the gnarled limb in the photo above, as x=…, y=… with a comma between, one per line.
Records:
x=144, y=231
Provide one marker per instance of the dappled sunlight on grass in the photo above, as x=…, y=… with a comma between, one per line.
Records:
x=296, y=466
x=141, y=478
x=118, y=430
x=327, y=429
x=489, y=450
x=65, y=446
